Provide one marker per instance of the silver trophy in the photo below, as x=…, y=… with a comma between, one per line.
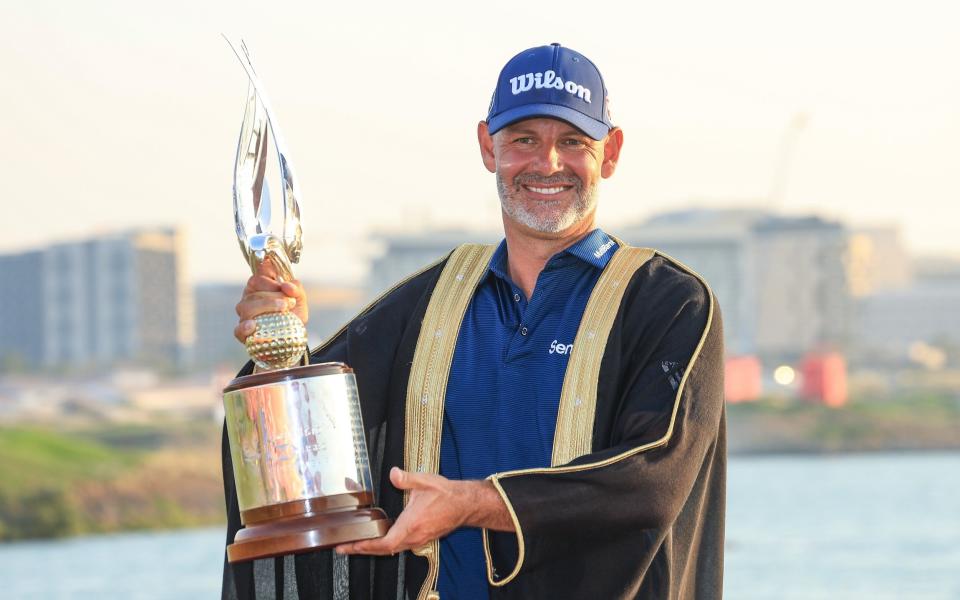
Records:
x=297, y=441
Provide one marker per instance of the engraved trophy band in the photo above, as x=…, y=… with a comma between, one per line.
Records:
x=300, y=461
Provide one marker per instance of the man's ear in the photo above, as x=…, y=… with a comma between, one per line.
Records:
x=611, y=152
x=486, y=147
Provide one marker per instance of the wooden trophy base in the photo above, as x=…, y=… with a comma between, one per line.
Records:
x=307, y=525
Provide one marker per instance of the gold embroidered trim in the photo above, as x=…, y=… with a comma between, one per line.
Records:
x=521, y=548
x=573, y=436
x=427, y=386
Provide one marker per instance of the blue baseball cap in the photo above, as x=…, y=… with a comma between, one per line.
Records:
x=551, y=81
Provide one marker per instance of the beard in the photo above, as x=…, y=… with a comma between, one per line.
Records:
x=552, y=217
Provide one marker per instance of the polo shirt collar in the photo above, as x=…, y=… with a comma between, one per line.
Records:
x=596, y=249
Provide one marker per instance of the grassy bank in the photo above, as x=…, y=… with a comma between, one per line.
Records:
x=95, y=480
x=917, y=421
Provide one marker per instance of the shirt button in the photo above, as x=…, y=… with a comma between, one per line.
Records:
x=523, y=330
x=516, y=297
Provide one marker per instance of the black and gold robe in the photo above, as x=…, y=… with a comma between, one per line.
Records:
x=641, y=516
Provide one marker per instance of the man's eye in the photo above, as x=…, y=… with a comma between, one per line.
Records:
x=573, y=142
x=523, y=140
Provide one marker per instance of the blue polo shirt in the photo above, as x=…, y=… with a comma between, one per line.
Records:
x=505, y=380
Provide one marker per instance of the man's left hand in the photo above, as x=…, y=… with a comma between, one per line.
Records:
x=436, y=507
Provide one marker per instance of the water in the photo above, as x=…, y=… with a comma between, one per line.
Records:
x=133, y=566
x=883, y=526
x=866, y=526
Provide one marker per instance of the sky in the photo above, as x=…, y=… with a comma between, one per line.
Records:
x=126, y=114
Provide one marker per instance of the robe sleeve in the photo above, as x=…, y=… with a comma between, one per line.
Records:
x=665, y=426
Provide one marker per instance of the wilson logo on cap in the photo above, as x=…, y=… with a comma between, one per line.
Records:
x=547, y=79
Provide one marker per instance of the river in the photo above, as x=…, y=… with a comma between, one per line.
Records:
x=872, y=526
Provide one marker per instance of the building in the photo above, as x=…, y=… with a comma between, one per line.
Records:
x=892, y=322
x=803, y=301
x=718, y=245
x=331, y=307
x=407, y=253
x=877, y=261
x=119, y=298
x=781, y=281
x=216, y=320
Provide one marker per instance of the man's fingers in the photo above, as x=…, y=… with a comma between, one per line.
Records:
x=260, y=283
x=263, y=302
x=267, y=270
x=388, y=544
x=244, y=330
x=264, y=294
x=377, y=547
x=294, y=289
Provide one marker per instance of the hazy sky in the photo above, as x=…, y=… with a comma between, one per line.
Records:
x=119, y=114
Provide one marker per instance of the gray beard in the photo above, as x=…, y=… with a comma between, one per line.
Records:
x=554, y=223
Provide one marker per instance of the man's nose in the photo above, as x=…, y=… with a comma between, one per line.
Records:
x=548, y=160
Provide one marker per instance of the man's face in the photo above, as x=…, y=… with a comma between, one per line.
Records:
x=548, y=172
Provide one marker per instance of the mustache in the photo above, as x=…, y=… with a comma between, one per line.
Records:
x=541, y=181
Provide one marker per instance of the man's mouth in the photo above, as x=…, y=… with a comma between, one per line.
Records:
x=547, y=191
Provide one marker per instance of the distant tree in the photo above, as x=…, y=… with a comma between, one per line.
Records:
x=13, y=362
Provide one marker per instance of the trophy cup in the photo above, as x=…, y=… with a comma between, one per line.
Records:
x=296, y=436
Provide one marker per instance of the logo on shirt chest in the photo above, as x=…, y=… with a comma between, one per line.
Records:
x=558, y=348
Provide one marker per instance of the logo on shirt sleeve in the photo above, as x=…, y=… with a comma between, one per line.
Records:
x=558, y=348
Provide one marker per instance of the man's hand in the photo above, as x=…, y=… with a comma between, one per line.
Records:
x=437, y=506
x=264, y=294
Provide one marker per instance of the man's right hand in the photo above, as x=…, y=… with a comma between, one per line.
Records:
x=264, y=294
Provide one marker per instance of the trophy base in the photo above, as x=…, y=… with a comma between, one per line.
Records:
x=306, y=532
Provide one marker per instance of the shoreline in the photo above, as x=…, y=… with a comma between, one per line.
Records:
x=824, y=452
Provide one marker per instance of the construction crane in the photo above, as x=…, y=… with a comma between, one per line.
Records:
x=787, y=150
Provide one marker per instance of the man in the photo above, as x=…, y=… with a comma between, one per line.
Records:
x=601, y=480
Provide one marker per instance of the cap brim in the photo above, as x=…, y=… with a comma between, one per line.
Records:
x=588, y=125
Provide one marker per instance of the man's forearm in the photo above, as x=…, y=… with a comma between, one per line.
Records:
x=485, y=506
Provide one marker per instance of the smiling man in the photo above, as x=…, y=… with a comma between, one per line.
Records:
x=546, y=416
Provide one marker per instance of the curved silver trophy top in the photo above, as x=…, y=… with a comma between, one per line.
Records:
x=260, y=237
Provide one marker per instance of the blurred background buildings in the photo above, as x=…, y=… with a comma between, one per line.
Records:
x=806, y=301
x=108, y=300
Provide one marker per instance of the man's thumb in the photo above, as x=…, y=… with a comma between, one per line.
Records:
x=401, y=479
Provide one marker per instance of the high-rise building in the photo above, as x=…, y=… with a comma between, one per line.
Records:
x=780, y=281
x=216, y=319
x=119, y=298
